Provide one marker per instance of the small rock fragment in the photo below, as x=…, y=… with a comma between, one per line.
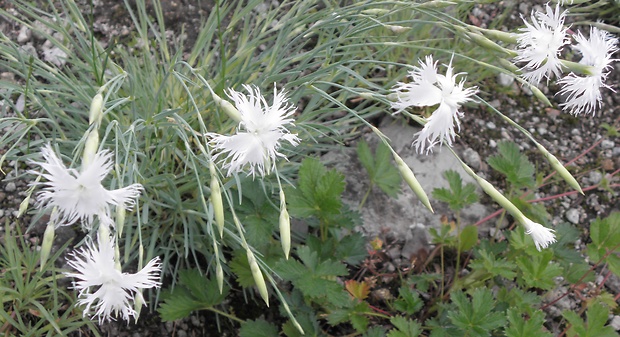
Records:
x=572, y=215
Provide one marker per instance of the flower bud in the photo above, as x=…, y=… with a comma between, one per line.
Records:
x=219, y=275
x=90, y=148
x=216, y=200
x=48, y=240
x=541, y=235
x=258, y=276
x=375, y=11
x=411, y=180
x=485, y=42
x=96, y=110
x=285, y=226
x=227, y=107
x=23, y=206
x=120, y=219
x=560, y=169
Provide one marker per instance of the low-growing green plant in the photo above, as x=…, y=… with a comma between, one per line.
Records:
x=33, y=303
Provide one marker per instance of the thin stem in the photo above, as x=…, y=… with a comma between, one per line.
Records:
x=365, y=196
x=225, y=314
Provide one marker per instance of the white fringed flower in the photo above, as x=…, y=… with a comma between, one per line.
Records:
x=429, y=88
x=113, y=291
x=259, y=135
x=541, y=235
x=584, y=92
x=540, y=44
x=79, y=195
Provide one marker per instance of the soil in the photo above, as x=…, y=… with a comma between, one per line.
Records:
x=580, y=140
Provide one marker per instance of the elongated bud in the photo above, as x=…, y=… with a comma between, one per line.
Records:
x=411, y=180
x=258, y=277
x=541, y=235
x=48, y=240
x=120, y=219
x=485, y=42
x=90, y=148
x=375, y=11
x=397, y=29
x=540, y=95
x=560, y=169
x=227, y=107
x=292, y=317
x=23, y=206
x=138, y=303
x=496, y=195
x=216, y=200
x=285, y=226
x=579, y=68
x=103, y=234
x=96, y=110
x=219, y=276
x=496, y=34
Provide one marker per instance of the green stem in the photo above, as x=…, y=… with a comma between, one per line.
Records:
x=225, y=314
x=365, y=196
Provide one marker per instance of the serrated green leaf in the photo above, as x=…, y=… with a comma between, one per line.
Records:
x=409, y=301
x=404, y=327
x=364, y=154
x=489, y=263
x=596, y=316
x=520, y=327
x=468, y=237
x=458, y=196
x=177, y=305
x=574, y=273
x=194, y=281
x=318, y=191
x=476, y=317
x=375, y=331
x=605, y=234
x=613, y=263
x=519, y=171
x=380, y=170
x=258, y=328
x=538, y=271
x=352, y=249
x=241, y=268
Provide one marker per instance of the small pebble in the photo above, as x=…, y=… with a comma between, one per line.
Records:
x=572, y=215
x=615, y=323
x=10, y=187
x=491, y=125
x=595, y=177
x=24, y=35
x=607, y=144
x=472, y=158
x=615, y=152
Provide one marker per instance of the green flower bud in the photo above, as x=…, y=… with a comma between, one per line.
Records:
x=560, y=169
x=411, y=180
x=219, y=275
x=216, y=200
x=48, y=240
x=285, y=226
x=227, y=107
x=23, y=206
x=258, y=277
x=120, y=219
x=96, y=110
x=90, y=148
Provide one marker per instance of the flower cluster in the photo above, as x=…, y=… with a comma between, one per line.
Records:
x=428, y=88
x=260, y=132
x=114, y=291
x=539, y=46
x=79, y=195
